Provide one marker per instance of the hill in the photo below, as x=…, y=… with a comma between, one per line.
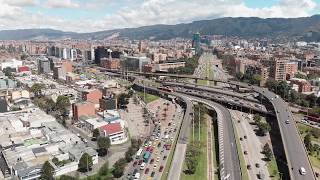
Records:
x=304, y=28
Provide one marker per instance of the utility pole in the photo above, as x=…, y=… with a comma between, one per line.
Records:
x=193, y=128
x=199, y=124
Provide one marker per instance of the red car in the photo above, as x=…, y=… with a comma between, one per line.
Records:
x=148, y=149
x=135, y=163
x=151, y=149
x=140, y=162
x=151, y=161
x=161, y=169
x=146, y=171
x=168, y=146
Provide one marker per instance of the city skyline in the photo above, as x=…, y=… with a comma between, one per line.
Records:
x=100, y=15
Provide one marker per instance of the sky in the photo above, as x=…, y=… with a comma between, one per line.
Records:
x=97, y=15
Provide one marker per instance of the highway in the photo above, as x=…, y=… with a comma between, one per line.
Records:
x=229, y=162
x=295, y=151
x=228, y=155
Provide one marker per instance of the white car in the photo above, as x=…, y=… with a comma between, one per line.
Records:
x=287, y=121
x=143, y=165
x=302, y=171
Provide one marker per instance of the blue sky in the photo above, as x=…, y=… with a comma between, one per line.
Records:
x=95, y=15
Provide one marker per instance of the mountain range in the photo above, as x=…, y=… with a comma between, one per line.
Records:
x=303, y=28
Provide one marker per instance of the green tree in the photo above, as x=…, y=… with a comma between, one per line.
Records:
x=103, y=144
x=191, y=163
x=66, y=177
x=312, y=99
x=104, y=170
x=267, y=151
x=264, y=128
x=37, y=88
x=8, y=71
x=307, y=142
x=47, y=171
x=55, y=161
x=62, y=102
x=85, y=163
x=257, y=118
x=118, y=168
x=123, y=101
x=96, y=133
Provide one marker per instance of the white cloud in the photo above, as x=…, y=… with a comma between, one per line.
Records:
x=146, y=13
x=20, y=3
x=61, y=4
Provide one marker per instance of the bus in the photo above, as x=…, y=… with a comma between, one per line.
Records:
x=139, y=152
x=165, y=89
x=146, y=156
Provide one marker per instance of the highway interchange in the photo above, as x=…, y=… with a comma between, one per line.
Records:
x=295, y=151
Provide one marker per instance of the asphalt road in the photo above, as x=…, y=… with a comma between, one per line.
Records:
x=228, y=155
x=294, y=148
x=181, y=147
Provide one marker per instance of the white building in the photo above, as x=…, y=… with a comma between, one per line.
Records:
x=13, y=63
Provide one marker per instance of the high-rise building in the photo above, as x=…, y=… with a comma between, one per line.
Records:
x=43, y=66
x=99, y=53
x=196, y=42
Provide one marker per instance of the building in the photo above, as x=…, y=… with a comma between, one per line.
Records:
x=303, y=85
x=13, y=63
x=89, y=123
x=291, y=69
x=113, y=64
x=196, y=38
x=59, y=73
x=99, y=53
x=164, y=67
x=83, y=109
x=115, y=133
x=132, y=63
x=92, y=95
x=44, y=66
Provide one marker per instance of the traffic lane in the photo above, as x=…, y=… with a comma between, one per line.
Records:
x=231, y=160
x=293, y=143
x=294, y=147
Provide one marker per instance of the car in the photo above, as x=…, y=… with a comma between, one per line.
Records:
x=155, y=166
x=158, y=159
x=287, y=121
x=161, y=169
x=151, y=161
x=248, y=166
x=245, y=137
x=302, y=171
x=143, y=165
x=245, y=152
x=151, y=149
x=146, y=171
x=241, y=139
x=277, y=96
x=153, y=173
x=257, y=165
x=140, y=162
x=164, y=157
x=135, y=163
x=159, y=144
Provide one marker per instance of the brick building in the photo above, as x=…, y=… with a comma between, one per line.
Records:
x=92, y=95
x=82, y=109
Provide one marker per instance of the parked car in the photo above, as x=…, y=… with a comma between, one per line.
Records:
x=146, y=171
x=161, y=169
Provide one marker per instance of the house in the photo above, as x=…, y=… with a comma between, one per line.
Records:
x=115, y=132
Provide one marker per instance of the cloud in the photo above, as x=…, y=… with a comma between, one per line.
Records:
x=135, y=13
x=19, y=3
x=61, y=4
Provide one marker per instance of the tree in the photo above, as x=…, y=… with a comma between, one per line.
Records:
x=307, y=142
x=8, y=71
x=118, y=168
x=104, y=170
x=36, y=89
x=63, y=102
x=96, y=133
x=264, y=128
x=47, y=171
x=103, y=144
x=128, y=154
x=55, y=161
x=66, y=177
x=312, y=99
x=191, y=163
x=267, y=151
x=315, y=132
x=122, y=100
x=257, y=118
x=85, y=163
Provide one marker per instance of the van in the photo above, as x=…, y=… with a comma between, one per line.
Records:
x=137, y=176
x=302, y=171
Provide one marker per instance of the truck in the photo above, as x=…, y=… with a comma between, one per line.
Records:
x=139, y=152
